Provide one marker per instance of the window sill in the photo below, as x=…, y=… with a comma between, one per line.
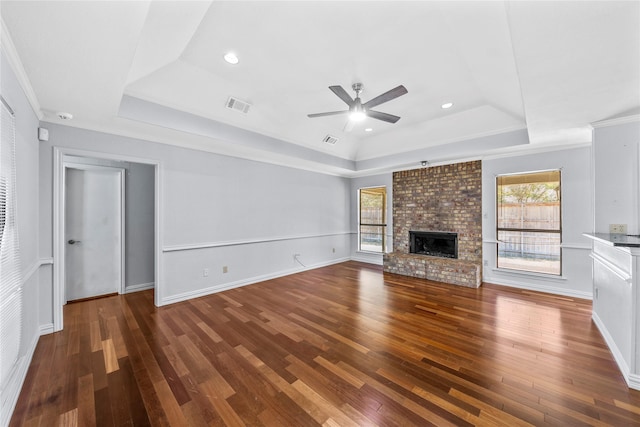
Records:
x=369, y=252
x=530, y=273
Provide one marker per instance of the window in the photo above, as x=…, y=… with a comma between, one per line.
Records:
x=373, y=219
x=529, y=225
x=10, y=272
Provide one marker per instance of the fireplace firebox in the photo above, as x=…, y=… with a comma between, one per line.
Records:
x=434, y=243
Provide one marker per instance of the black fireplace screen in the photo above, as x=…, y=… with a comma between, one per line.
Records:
x=433, y=243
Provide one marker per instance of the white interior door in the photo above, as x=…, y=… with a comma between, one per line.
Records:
x=94, y=227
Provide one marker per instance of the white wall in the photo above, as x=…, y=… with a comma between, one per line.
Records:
x=220, y=211
x=577, y=218
x=383, y=180
x=139, y=223
x=616, y=159
x=248, y=216
x=27, y=221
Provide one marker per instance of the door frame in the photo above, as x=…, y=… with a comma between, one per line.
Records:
x=58, y=224
x=121, y=179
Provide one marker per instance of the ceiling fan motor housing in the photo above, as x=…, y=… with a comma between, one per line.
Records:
x=357, y=105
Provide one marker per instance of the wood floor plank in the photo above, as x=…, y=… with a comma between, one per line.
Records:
x=169, y=405
x=86, y=403
x=315, y=326
x=103, y=414
x=277, y=381
x=110, y=356
x=69, y=419
x=218, y=398
x=96, y=339
x=335, y=414
x=339, y=345
x=338, y=371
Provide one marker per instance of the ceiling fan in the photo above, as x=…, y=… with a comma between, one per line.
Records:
x=359, y=111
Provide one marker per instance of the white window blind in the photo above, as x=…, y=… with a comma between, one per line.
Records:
x=10, y=272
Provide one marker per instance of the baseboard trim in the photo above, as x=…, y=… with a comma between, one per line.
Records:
x=139, y=287
x=632, y=380
x=11, y=392
x=539, y=288
x=368, y=258
x=46, y=329
x=244, y=282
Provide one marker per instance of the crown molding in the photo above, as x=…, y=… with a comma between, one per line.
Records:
x=617, y=121
x=10, y=52
x=533, y=149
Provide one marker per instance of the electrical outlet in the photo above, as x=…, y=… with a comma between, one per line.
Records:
x=486, y=263
x=205, y=272
x=596, y=293
x=618, y=228
x=225, y=269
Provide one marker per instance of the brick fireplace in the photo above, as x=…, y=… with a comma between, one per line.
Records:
x=441, y=199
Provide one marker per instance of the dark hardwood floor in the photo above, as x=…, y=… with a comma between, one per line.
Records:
x=337, y=346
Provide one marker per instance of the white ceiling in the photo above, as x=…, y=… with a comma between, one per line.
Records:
x=548, y=68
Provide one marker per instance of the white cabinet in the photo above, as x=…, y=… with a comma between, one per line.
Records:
x=616, y=300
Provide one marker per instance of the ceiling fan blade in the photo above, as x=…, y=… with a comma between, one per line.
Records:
x=342, y=94
x=330, y=113
x=382, y=116
x=387, y=96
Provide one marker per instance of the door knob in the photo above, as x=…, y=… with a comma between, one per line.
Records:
x=73, y=242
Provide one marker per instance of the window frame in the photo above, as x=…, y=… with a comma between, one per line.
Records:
x=384, y=219
x=529, y=230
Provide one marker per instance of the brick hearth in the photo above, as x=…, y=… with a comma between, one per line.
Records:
x=442, y=198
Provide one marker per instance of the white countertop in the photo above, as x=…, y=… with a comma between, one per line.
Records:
x=623, y=240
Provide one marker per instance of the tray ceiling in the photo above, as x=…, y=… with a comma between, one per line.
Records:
x=549, y=69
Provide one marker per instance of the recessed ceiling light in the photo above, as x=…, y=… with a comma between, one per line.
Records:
x=65, y=116
x=447, y=105
x=231, y=58
x=368, y=129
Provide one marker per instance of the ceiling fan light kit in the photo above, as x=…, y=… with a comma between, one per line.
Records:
x=357, y=110
x=357, y=115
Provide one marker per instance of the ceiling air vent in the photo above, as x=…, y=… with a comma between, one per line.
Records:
x=238, y=105
x=330, y=139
